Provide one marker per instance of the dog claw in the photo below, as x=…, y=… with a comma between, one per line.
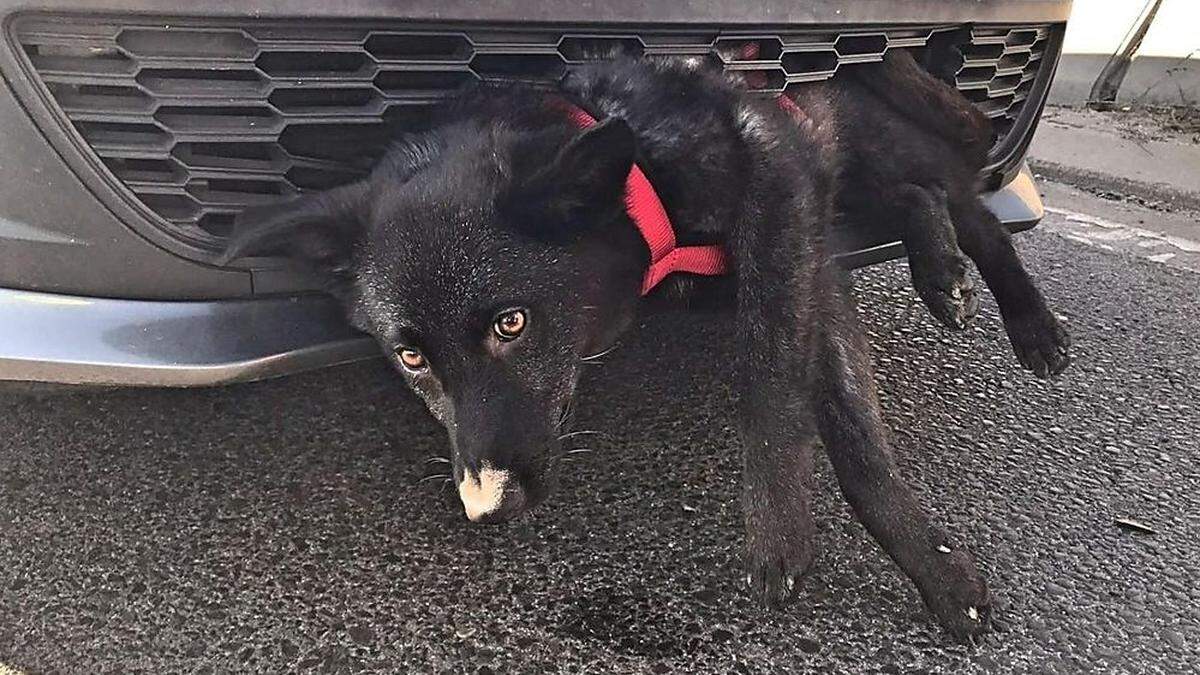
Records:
x=957, y=595
x=773, y=577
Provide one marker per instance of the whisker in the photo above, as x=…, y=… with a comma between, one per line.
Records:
x=572, y=434
x=442, y=460
x=597, y=355
x=444, y=476
x=577, y=451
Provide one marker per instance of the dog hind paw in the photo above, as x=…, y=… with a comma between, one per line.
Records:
x=948, y=292
x=960, y=599
x=1040, y=342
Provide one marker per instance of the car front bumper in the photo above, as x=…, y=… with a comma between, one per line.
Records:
x=76, y=340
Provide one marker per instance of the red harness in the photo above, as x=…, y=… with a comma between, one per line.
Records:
x=647, y=212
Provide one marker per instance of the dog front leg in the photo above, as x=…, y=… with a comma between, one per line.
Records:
x=778, y=442
x=775, y=423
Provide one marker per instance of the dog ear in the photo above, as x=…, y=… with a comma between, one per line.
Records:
x=317, y=229
x=583, y=185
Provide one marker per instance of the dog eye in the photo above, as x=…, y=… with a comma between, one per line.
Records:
x=509, y=324
x=411, y=359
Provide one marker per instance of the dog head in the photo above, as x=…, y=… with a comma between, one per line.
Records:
x=487, y=262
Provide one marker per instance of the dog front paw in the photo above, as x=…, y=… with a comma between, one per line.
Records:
x=1040, y=342
x=958, y=596
x=774, y=570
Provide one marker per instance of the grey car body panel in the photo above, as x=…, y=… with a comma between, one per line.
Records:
x=93, y=292
x=90, y=341
x=88, y=236
x=56, y=236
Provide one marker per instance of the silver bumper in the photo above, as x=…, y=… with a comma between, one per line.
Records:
x=65, y=339
x=92, y=341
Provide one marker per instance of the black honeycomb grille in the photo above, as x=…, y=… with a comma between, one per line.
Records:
x=200, y=120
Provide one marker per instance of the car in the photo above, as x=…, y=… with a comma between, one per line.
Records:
x=132, y=134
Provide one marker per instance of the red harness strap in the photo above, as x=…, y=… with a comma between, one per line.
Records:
x=646, y=211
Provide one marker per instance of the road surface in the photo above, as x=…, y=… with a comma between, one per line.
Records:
x=284, y=525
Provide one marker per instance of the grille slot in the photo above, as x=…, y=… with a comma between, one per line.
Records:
x=202, y=119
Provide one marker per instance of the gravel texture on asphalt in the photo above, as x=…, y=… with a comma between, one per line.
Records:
x=284, y=525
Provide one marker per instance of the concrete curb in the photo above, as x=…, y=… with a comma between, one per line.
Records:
x=1156, y=194
x=1139, y=154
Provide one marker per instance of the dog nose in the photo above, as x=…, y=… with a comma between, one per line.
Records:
x=491, y=497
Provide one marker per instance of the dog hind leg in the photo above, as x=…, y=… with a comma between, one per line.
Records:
x=938, y=268
x=855, y=438
x=1039, y=340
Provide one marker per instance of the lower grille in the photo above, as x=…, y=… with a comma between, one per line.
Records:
x=199, y=120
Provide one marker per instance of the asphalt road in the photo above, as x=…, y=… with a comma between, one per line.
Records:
x=283, y=525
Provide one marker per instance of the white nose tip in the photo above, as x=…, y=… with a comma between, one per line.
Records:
x=483, y=495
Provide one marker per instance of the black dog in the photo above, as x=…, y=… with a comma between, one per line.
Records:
x=912, y=154
x=914, y=148
x=491, y=255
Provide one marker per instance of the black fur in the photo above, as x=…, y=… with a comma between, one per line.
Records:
x=507, y=205
x=914, y=149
